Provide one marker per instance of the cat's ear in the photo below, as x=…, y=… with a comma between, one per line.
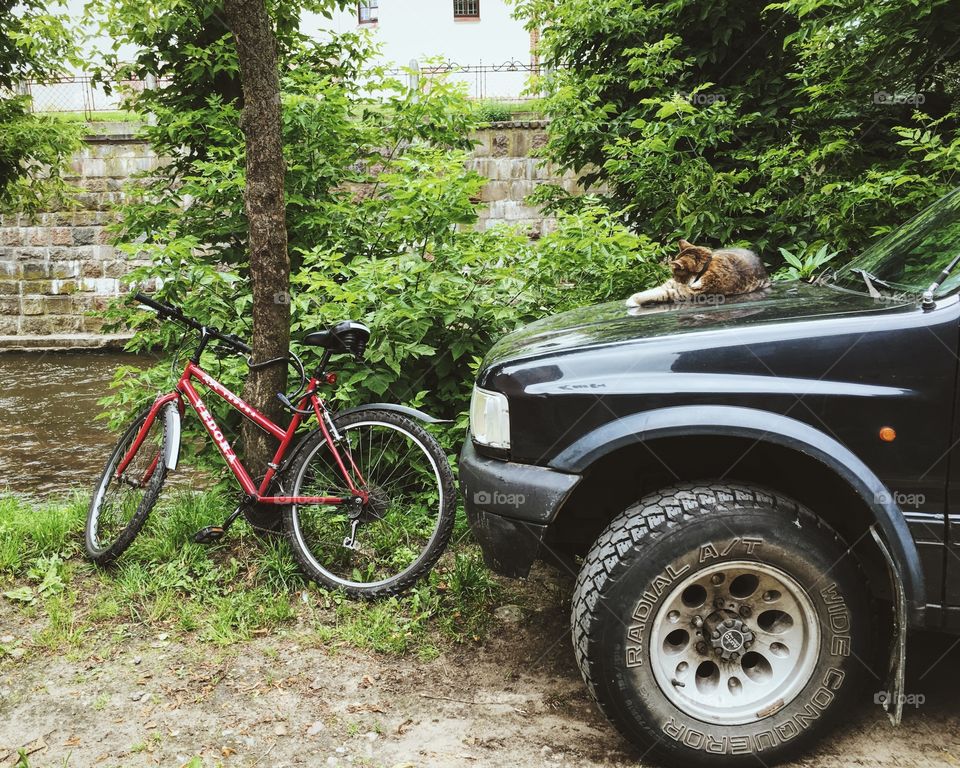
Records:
x=676, y=264
x=684, y=245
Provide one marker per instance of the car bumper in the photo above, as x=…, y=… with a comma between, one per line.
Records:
x=509, y=506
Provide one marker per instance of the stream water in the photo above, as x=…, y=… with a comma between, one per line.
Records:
x=50, y=438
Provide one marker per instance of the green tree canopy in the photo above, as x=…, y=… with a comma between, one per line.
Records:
x=797, y=124
x=35, y=44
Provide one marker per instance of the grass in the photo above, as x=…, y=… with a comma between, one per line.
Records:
x=216, y=595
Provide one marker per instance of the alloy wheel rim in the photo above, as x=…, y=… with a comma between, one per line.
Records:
x=735, y=642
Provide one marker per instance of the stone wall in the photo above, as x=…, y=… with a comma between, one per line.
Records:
x=503, y=156
x=55, y=267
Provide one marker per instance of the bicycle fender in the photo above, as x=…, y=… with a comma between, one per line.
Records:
x=172, y=448
x=169, y=407
x=413, y=413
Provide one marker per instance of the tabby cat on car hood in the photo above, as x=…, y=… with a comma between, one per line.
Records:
x=700, y=271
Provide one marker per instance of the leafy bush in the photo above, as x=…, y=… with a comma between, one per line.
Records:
x=493, y=112
x=733, y=122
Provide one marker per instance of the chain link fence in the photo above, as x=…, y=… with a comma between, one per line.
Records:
x=81, y=94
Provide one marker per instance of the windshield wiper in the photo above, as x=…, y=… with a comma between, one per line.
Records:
x=928, y=301
x=870, y=280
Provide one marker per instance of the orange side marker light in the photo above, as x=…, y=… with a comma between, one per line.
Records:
x=888, y=434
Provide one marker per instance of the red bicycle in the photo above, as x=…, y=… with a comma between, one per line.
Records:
x=371, y=497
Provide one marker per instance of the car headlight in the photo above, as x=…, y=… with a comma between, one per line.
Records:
x=490, y=418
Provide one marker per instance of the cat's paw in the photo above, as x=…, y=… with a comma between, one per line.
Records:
x=634, y=301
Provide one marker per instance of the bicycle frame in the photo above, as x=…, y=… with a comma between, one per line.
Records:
x=309, y=400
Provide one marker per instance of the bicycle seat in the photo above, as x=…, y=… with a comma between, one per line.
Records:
x=346, y=336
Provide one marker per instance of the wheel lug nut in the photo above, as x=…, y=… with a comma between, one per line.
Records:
x=702, y=649
x=716, y=579
x=718, y=602
x=698, y=621
x=673, y=617
x=745, y=611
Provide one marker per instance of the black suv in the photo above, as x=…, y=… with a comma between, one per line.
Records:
x=757, y=492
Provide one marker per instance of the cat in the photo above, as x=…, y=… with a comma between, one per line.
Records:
x=700, y=271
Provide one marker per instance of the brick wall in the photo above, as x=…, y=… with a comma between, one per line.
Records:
x=55, y=267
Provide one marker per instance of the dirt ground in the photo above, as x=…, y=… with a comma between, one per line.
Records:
x=284, y=700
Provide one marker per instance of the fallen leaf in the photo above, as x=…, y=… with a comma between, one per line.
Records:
x=404, y=726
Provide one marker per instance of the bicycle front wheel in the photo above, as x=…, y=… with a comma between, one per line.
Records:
x=385, y=545
x=123, y=499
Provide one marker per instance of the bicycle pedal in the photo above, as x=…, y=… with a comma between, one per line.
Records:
x=209, y=534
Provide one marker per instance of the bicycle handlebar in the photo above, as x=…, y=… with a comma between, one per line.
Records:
x=173, y=312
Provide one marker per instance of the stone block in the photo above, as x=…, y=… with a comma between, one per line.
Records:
x=84, y=235
x=116, y=268
x=9, y=288
x=91, y=269
x=495, y=190
x=11, y=236
x=9, y=268
x=58, y=305
x=9, y=305
x=34, y=270
x=64, y=270
x=9, y=326
x=36, y=287
x=92, y=324
x=48, y=324
x=61, y=236
x=31, y=305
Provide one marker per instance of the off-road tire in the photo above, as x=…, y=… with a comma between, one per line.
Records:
x=662, y=542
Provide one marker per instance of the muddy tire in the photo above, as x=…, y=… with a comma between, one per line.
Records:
x=721, y=624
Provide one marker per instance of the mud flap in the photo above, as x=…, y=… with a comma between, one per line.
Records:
x=893, y=704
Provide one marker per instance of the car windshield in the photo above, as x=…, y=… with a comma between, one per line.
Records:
x=909, y=258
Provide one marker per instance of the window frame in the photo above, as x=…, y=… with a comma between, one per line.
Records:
x=466, y=4
x=372, y=7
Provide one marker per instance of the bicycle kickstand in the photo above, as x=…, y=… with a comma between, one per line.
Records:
x=213, y=533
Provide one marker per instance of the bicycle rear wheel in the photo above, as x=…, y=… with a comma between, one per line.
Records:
x=401, y=530
x=122, y=501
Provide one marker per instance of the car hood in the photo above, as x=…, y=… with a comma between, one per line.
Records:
x=615, y=323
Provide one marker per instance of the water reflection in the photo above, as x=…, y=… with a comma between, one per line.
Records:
x=50, y=440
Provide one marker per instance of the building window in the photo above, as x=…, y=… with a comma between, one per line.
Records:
x=367, y=11
x=466, y=9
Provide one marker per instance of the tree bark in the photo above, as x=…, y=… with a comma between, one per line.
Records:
x=266, y=221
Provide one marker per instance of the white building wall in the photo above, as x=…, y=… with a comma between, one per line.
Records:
x=419, y=30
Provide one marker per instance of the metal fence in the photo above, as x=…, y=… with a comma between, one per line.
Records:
x=508, y=81
x=80, y=94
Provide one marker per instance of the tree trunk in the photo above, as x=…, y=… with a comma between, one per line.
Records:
x=266, y=221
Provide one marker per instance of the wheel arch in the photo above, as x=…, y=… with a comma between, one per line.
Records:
x=812, y=467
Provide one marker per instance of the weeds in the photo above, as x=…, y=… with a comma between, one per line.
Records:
x=220, y=594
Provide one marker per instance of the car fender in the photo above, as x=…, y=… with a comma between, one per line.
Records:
x=764, y=426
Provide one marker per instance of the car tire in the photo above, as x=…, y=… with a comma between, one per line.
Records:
x=716, y=624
